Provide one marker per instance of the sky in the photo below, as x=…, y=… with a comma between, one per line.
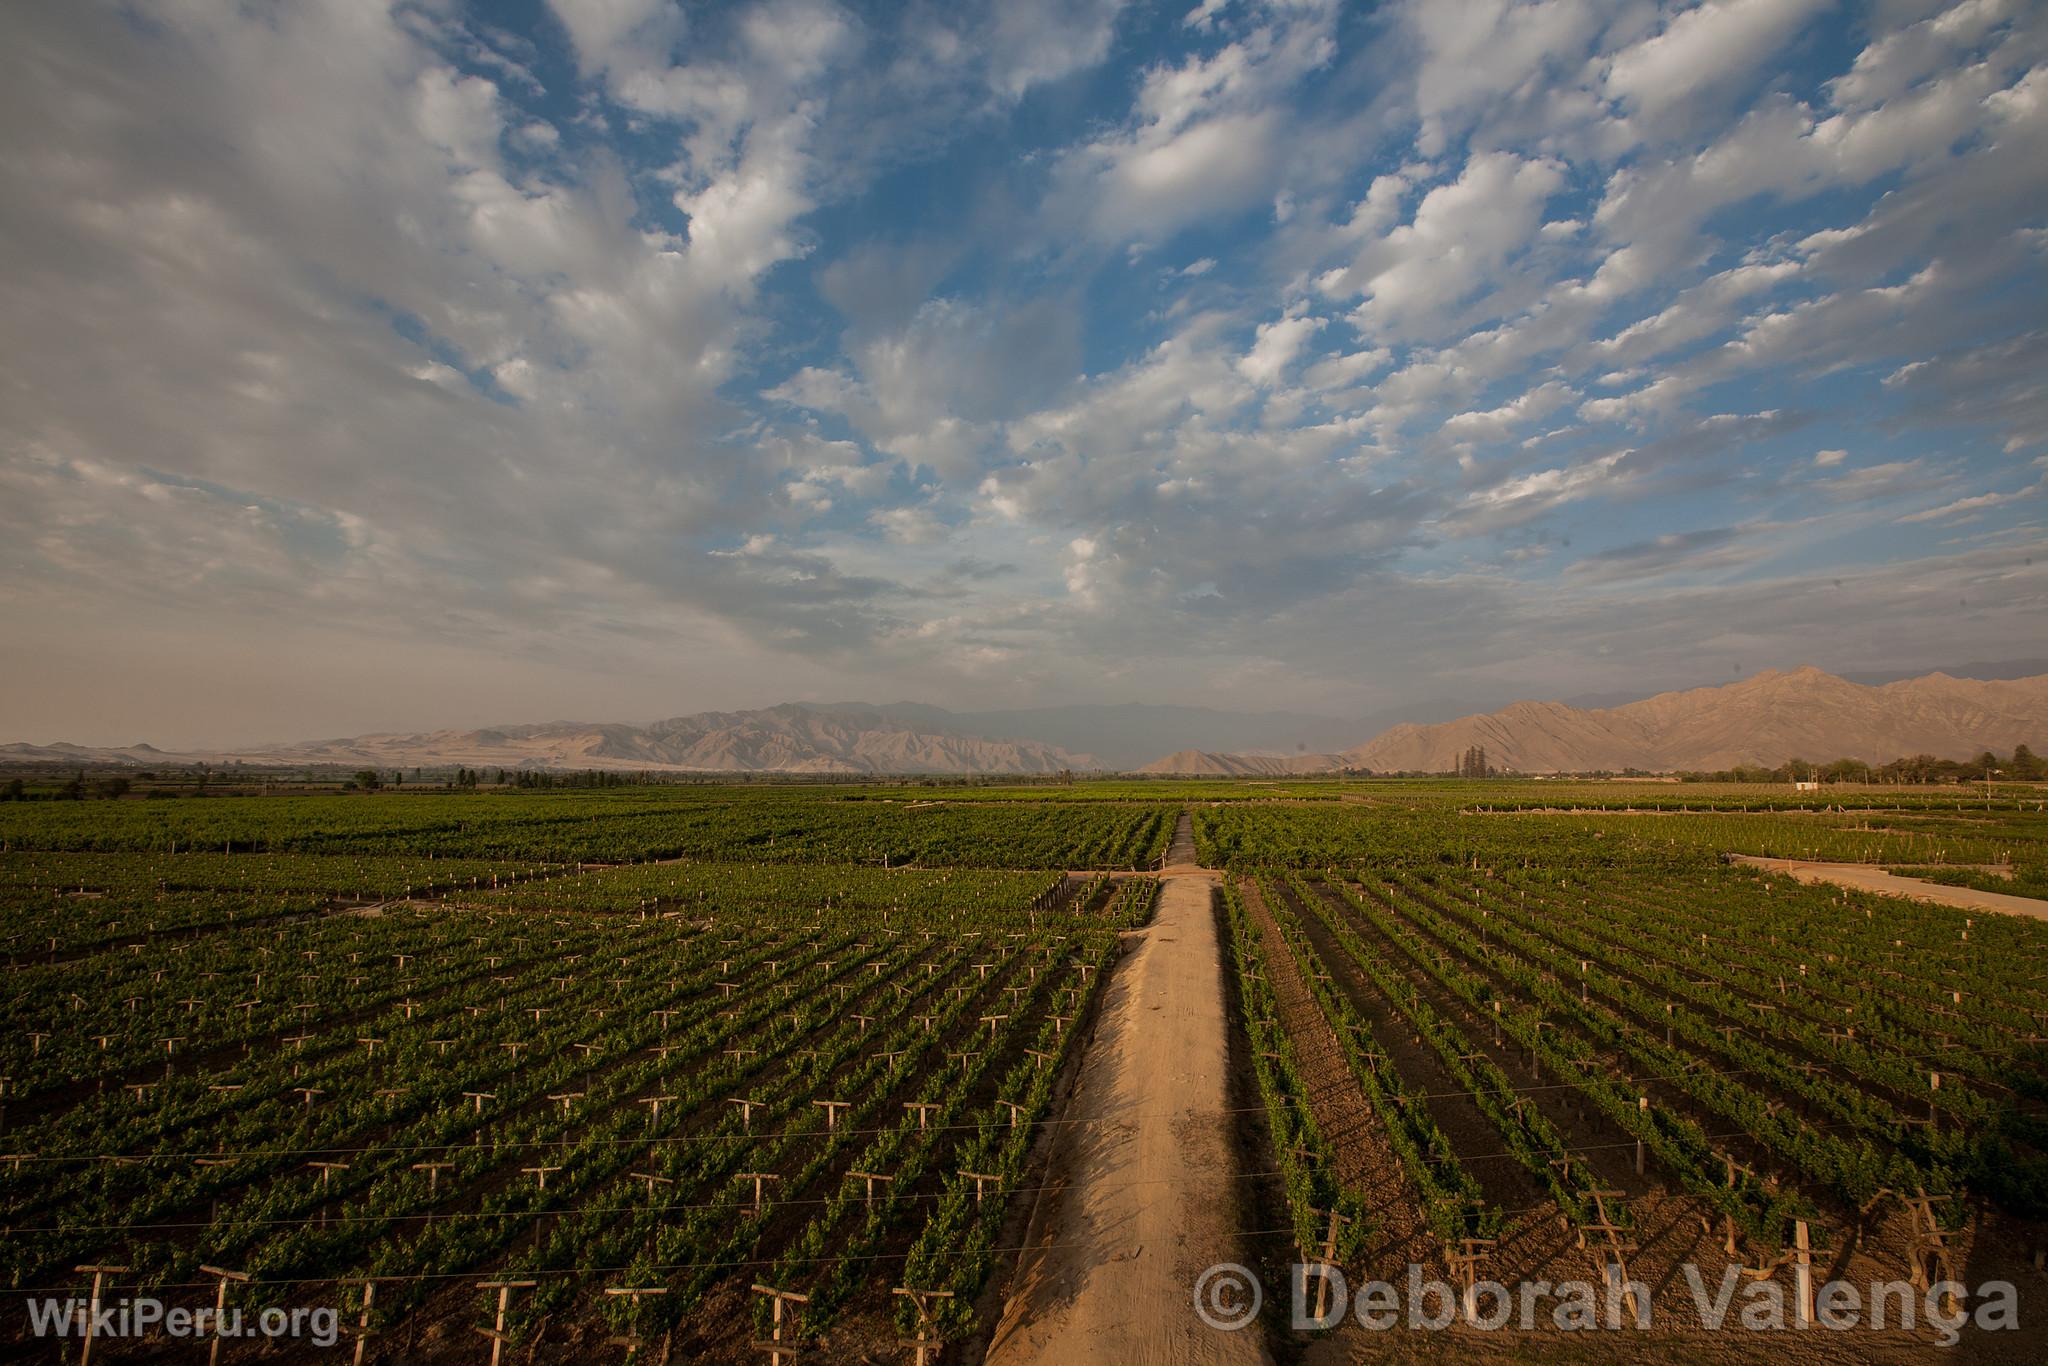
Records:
x=442, y=364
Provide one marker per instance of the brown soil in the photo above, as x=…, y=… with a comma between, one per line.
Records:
x=1364, y=1161
x=1865, y=877
x=1145, y=1189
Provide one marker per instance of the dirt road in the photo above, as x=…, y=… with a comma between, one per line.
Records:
x=1146, y=1189
x=1865, y=877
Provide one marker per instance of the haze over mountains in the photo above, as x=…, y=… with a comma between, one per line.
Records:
x=1765, y=719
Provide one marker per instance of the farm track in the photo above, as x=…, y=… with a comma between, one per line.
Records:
x=1864, y=877
x=1146, y=1195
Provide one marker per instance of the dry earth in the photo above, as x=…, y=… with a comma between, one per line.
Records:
x=1865, y=877
x=1145, y=1189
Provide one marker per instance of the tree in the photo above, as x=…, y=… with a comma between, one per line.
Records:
x=114, y=787
x=2025, y=764
x=15, y=791
x=367, y=779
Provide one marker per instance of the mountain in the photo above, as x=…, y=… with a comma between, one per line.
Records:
x=1125, y=735
x=1765, y=719
x=782, y=739
x=1196, y=763
x=2003, y=669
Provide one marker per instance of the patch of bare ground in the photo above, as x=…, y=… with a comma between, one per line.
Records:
x=1145, y=1194
x=1866, y=877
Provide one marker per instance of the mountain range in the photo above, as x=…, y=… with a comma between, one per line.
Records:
x=1765, y=719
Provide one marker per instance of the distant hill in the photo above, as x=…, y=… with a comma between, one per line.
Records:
x=1765, y=719
x=1204, y=763
x=783, y=739
x=1125, y=735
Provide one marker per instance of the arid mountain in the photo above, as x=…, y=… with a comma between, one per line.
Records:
x=1196, y=763
x=1766, y=719
x=783, y=739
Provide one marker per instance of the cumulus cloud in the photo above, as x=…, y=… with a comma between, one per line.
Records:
x=984, y=348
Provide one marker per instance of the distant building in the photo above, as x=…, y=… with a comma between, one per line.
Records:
x=1806, y=785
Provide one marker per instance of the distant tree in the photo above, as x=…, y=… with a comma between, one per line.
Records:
x=1846, y=771
x=114, y=787
x=14, y=791
x=2024, y=763
x=367, y=779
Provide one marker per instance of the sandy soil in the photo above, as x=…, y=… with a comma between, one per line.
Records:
x=1867, y=877
x=1146, y=1193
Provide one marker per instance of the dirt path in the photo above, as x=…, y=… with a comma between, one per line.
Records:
x=1145, y=1194
x=1866, y=877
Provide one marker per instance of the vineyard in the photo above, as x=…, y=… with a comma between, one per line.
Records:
x=697, y=1070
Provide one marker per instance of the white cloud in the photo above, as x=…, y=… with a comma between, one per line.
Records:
x=1278, y=343
x=1460, y=238
x=1702, y=50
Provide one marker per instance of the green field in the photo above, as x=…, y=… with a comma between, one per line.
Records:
x=435, y=1038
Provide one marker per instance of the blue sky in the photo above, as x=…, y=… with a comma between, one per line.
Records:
x=443, y=363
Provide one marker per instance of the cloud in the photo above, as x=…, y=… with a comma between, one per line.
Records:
x=1702, y=51
x=1460, y=237
x=1974, y=503
x=1675, y=552
x=1278, y=343
x=790, y=344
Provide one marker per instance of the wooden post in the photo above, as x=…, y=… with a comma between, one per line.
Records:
x=981, y=1181
x=220, y=1305
x=433, y=1171
x=757, y=1178
x=927, y=1343
x=923, y=1107
x=1329, y=1259
x=650, y=1180
x=778, y=1347
x=832, y=1109
x=540, y=1174
x=871, y=1178
x=633, y=1342
x=363, y=1331
x=1802, y=1275
x=1465, y=1264
x=99, y=1273
x=496, y=1332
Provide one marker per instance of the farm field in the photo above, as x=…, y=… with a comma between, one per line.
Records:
x=633, y=1053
